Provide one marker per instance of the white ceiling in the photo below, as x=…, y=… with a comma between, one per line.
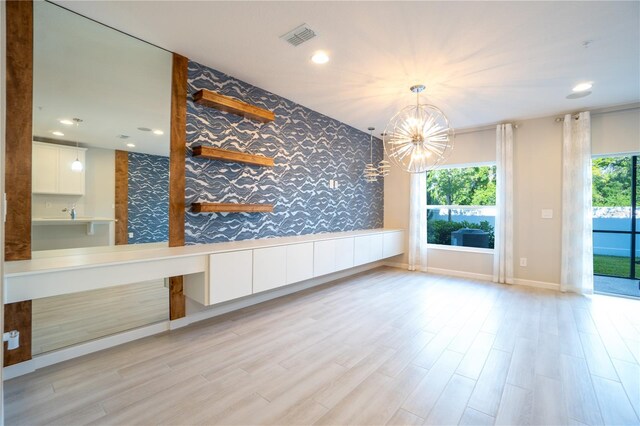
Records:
x=482, y=62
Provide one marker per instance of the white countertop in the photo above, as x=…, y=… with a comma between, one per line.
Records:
x=81, y=258
x=66, y=220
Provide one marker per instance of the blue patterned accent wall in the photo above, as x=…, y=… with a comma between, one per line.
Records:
x=309, y=149
x=148, y=200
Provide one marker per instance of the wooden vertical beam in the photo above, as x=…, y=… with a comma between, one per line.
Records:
x=122, y=197
x=17, y=316
x=18, y=136
x=18, y=140
x=176, y=175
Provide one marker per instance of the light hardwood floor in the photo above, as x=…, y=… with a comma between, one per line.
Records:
x=384, y=347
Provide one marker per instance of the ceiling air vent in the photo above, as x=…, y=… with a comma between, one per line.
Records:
x=299, y=35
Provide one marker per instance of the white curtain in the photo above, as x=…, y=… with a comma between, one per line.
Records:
x=418, y=222
x=577, y=237
x=503, y=246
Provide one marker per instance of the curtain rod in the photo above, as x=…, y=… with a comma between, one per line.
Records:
x=617, y=108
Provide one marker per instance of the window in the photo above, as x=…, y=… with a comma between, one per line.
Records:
x=461, y=206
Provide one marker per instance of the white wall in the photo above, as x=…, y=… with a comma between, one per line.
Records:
x=537, y=186
x=98, y=201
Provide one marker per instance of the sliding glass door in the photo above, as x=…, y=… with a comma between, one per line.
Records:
x=616, y=222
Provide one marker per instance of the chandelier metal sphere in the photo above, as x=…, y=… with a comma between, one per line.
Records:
x=418, y=138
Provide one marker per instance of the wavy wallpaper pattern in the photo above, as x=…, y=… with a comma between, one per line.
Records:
x=148, y=200
x=309, y=149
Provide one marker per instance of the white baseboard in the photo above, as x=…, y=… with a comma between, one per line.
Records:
x=538, y=284
x=65, y=354
x=481, y=277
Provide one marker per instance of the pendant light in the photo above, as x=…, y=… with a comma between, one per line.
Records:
x=418, y=138
x=77, y=165
x=370, y=171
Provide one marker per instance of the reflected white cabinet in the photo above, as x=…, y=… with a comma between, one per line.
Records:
x=343, y=253
x=324, y=260
x=51, y=169
x=299, y=262
x=393, y=244
x=269, y=268
x=230, y=275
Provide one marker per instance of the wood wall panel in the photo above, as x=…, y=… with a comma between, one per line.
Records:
x=176, y=176
x=177, y=308
x=178, y=146
x=17, y=316
x=122, y=197
x=18, y=136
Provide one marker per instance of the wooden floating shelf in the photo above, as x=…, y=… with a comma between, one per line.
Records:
x=230, y=208
x=225, y=103
x=234, y=156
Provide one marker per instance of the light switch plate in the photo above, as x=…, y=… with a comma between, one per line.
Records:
x=130, y=234
x=547, y=214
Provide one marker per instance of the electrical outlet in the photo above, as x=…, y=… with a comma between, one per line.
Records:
x=523, y=261
x=130, y=234
x=335, y=184
x=547, y=214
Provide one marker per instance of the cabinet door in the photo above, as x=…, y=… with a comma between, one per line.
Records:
x=230, y=275
x=324, y=260
x=269, y=268
x=70, y=182
x=393, y=244
x=376, y=247
x=299, y=262
x=344, y=253
x=44, y=175
x=362, y=250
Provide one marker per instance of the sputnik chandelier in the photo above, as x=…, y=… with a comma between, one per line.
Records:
x=418, y=138
x=372, y=172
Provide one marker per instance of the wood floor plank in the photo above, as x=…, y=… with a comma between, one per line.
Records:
x=548, y=402
x=523, y=363
x=488, y=391
x=515, y=406
x=404, y=418
x=616, y=408
x=450, y=407
x=579, y=396
x=629, y=374
x=473, y=417
x=424, y=397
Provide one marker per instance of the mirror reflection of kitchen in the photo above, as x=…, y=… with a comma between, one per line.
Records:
x=101, y=109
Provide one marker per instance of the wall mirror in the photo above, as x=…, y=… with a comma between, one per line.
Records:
x=101, y=125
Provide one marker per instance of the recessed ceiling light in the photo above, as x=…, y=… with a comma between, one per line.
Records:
x=57, y=133
x=583, y=87
x=144, y=129
x=579, y=95
x=66, y=122
x=320, y=57
x=131, y=145
x=158, y=132
x=122, y=136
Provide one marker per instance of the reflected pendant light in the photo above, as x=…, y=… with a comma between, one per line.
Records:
x=418, y=138
x=370, y=171
x=77, y=166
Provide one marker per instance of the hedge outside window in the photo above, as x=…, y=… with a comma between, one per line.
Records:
x=461, y=206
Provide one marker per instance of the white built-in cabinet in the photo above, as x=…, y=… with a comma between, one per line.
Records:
x=51, y=169
x=269, y=268
x=230, y=275
x=299, y=262
x=235, y=274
